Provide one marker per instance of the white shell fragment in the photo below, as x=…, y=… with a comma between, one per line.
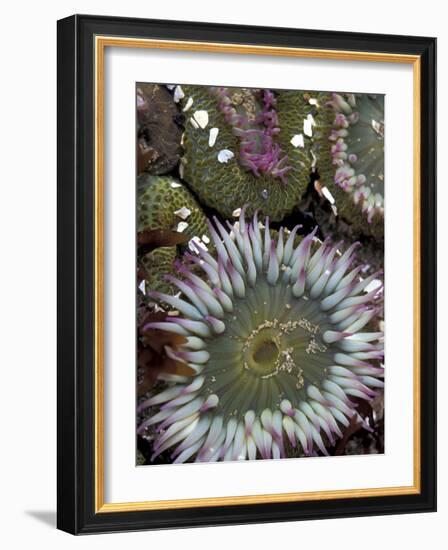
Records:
x=205, y=239
x=212, y=136
x=236, y=213
x=171, y=86
x=181, y=226
x=308, y=124
x=194, y=123
x=183, y=212
x=201, y=118
x=188, y=104
x=327, y=194
x=378, y=127
x=297, y=140
x=142, y=286
x=312, y=101
x=181, y=169
x=314, y=161
x=196, y=242
x=307, y=128
x=373, y=285
x=178, y=94
x=225, y=155
x=174, y=184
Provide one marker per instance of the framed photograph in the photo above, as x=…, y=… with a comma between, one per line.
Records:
x=246, y=274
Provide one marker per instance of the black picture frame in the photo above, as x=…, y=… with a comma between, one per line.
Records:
x=76, y=255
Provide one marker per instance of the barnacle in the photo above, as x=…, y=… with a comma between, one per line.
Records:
x=350, y=156
x=246, y=147
x=274, y=333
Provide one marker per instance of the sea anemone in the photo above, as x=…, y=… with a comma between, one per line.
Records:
x=159, y=131
x=165, y=208
x=164, y=202
x=246, y=147
x=275, y=336
x=350, y=152
x=358, y=152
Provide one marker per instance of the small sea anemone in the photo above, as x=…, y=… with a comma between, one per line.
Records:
x=274, y=335
x=351, y=151
x=158, y=130
x=165, y=206
x=246, y=147
x=164, y=202
x=358, y=149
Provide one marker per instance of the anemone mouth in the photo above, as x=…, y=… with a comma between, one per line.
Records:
x=255, y=123
x=271, y=349
x=262, y=355
x=273, y=334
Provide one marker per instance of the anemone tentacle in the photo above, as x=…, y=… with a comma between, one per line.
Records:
x=280, y=342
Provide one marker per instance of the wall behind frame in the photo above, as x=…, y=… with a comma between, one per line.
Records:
x=28, y=274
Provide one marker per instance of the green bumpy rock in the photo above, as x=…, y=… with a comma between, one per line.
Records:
x=227, y=186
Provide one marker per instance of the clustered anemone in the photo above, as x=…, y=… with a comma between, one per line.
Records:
x=277, y=332
x=357, y=149
x=246, y=146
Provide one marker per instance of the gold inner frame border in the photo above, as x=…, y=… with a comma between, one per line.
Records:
x=100, y=44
